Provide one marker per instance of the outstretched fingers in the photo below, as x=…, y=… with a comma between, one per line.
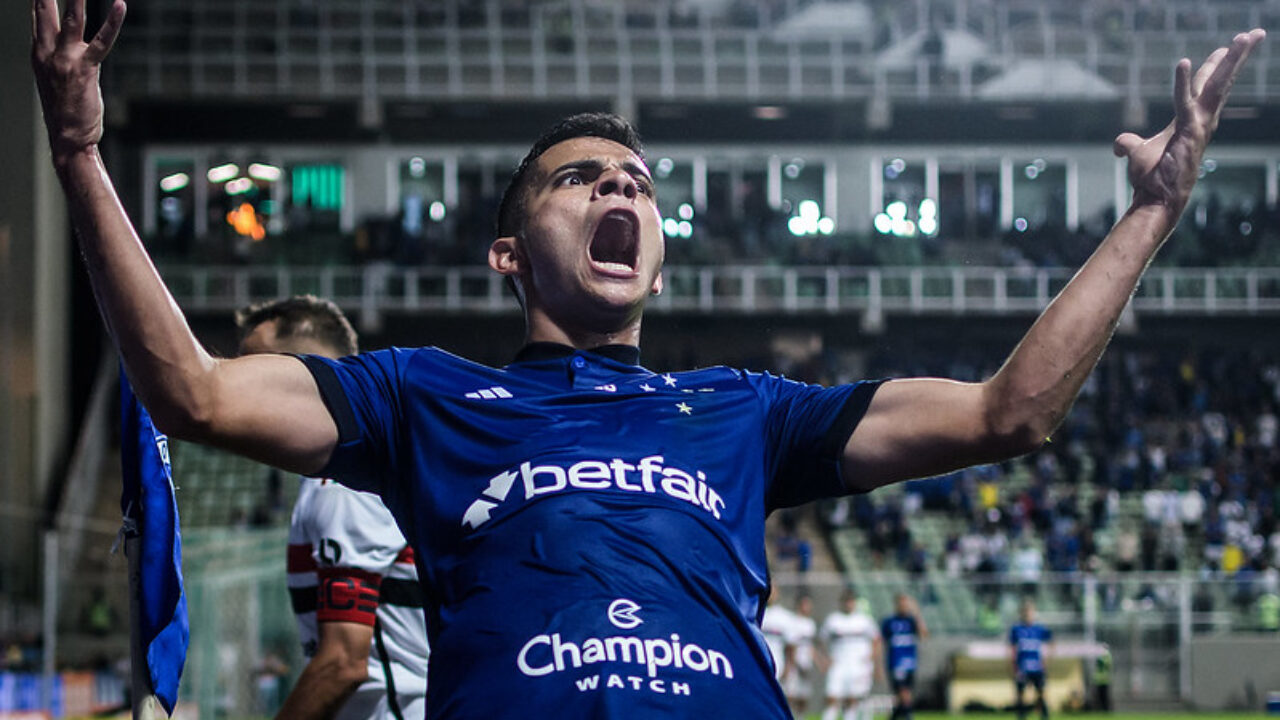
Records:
x=44, y=26
x=1182, y=88
x=1218, y=82
x=107, y=34
x=1206, y=70
x=73, y=23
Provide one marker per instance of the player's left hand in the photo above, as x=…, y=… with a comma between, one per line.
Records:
x=1163, y=168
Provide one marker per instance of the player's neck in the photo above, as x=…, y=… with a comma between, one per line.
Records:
x=541, y=327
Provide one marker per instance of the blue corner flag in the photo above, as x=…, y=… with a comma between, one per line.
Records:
x=150, y=508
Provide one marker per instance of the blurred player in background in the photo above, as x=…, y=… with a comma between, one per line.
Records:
x=902, y=633
x=798, y=683
x=352, y=578
x=852, y=642
x=777, y=625
x=1030, y=646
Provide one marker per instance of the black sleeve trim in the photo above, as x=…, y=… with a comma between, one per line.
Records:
x=334, y=398
x=855, y=408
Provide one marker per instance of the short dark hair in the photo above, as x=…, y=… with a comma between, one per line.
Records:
x=302, y=316
x=594, y=124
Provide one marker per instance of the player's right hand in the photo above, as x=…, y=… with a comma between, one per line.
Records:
x=66, y=69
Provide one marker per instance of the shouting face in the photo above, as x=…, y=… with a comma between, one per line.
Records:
x=590, y=250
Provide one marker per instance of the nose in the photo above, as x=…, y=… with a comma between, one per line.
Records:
x=616, y=181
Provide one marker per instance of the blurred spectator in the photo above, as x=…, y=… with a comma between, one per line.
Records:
x=1026, y=567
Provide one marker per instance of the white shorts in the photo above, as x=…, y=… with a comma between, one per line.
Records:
x=797, y=684
x=848, y=680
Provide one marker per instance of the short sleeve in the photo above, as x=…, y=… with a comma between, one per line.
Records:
x=358, y=529
x=807, y=427
x=364, y=395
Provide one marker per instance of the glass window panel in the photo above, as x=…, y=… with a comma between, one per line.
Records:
x=316, y=198
x=803, y=193
x=421, y=195
x=674, y=181
x=903, y=200
x=175, y=206
x=1039, y=195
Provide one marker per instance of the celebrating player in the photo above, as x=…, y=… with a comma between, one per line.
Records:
x=352, y=577
x=1030, y=645
x=852, y=642
x=590, y=533
x=902, y=633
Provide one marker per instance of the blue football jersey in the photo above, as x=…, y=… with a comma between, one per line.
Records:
x=589, y=534
x=900, y=634
x=1028, y=642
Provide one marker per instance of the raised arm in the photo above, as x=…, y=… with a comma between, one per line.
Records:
x=921, y=427
x=265, y=407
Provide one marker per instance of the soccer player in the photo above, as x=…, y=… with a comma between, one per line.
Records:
x=590, y=533
x=776, y=624
x=1030, y=645
x=902, y=633
x=352, y=577
x=853, y=644
x=798, y=684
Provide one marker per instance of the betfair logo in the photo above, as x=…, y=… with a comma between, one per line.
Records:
x=647, y=475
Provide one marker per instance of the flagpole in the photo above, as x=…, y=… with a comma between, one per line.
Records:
x=141, y=694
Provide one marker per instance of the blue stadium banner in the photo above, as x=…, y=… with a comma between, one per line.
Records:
x=151, y=510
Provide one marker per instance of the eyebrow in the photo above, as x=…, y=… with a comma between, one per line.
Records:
x=595, y=165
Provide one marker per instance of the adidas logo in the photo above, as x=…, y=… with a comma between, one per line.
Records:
x=494, y=393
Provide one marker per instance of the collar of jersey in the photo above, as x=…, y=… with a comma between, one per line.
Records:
x=537, y=351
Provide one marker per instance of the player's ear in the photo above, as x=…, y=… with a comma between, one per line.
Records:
x=657, y=284
x=504, y=256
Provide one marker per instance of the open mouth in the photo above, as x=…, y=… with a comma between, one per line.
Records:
x=616, y=242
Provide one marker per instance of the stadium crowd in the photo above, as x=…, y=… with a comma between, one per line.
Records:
x=1188, y=441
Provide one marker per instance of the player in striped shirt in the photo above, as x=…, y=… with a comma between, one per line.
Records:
x=352, y=578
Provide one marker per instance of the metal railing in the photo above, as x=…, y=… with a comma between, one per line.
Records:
x=376, y=289
x=388, y=49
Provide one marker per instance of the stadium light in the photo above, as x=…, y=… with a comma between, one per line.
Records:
x=175, y=182
x=883, y=223
x=223, y=173
x=239, y=186
x=265, y=173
